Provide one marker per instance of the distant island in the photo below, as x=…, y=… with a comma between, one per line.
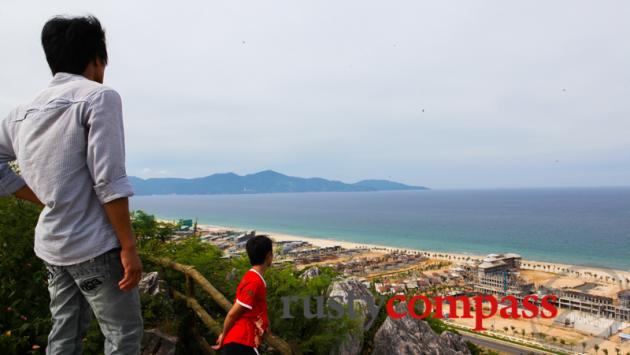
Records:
x=267, y=181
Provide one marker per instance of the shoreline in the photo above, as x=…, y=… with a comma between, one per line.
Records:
x=587, y=273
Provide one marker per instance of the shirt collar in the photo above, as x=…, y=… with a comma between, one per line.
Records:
x=63, y=77
x=261, y=277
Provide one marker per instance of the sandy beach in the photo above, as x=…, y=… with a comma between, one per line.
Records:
x=618, y=278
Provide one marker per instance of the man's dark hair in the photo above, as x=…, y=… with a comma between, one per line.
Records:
x=71, y=43
x=257, y=249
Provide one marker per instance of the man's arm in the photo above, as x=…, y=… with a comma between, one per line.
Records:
x=10, y=182
x=106, y=163
x=118, y=213
x=234, y=313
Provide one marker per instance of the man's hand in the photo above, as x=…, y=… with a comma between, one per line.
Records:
x=25, y=193
x=118, y=213
x=219, y=343
x=133, y=268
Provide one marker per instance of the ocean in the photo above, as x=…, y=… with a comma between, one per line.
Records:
x=581, y=226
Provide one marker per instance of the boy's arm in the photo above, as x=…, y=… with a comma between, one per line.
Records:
x=267, y=325
x=245, y=297
x=234, y=313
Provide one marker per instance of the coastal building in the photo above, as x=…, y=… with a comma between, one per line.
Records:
x=623, y=307
x=383, y=289
x=243, y=238
x=601, y=306
x=498, y=274
x=624, y=298
x=292, y=245
x=185, y=224
x=411, y=285
x=423, y=283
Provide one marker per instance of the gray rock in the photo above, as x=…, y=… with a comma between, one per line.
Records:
x=343, y=290
x=155, y=342
x=455, y=342
x=409, y=335
x=310, y=273
x=151, y=284
x=349, y=286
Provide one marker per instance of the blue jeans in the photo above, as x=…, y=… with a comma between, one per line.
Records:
x=77, y=291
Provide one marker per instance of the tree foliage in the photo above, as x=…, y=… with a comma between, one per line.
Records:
x=24, y=314
x=308, y=336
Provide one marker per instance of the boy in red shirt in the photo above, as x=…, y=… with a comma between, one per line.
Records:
x=247, y=320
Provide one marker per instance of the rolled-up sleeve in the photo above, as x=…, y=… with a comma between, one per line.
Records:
x=106, y=147
x=10, y=182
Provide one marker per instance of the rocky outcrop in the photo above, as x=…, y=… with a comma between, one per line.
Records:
x=151, y=284
x=348, y=288
x=155, y=342
x=310, y=273
x=455, y=342
x=344, y=291
x=408, y=335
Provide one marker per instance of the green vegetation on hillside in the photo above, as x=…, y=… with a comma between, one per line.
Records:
x=25, y=317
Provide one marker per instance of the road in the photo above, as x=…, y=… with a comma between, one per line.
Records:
x=499, y=345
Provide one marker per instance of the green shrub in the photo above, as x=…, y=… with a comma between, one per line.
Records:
x=24, y=314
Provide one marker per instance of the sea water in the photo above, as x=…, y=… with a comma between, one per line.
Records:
x=582, y=226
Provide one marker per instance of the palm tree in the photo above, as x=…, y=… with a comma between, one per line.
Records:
x=596, y=347
x=583, y=346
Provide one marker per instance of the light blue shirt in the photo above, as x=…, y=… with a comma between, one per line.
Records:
x=69, y=145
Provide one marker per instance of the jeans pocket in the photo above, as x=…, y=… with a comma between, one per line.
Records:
x=91, y=274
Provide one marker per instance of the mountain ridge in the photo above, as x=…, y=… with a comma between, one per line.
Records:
x=265, y=181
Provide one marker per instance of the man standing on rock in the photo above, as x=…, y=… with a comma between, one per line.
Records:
x=69, y=145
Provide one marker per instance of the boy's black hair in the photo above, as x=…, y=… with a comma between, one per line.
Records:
x=257, y=249
x=71, y=43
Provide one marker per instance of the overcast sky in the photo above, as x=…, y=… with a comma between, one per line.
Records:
x=446, y=94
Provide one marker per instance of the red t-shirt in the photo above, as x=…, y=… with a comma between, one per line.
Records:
x=251, y=293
